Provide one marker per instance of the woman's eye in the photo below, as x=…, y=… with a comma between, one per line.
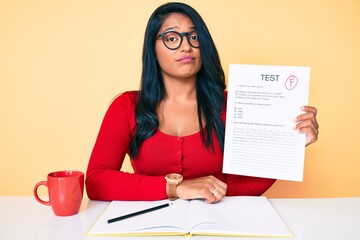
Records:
x=171, y=39
x=194, y=37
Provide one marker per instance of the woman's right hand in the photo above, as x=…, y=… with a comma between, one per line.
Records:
x=209, y=188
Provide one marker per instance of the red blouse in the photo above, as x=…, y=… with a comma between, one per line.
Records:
x=159, y=155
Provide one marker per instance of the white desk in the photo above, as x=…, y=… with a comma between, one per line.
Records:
x=328, y=218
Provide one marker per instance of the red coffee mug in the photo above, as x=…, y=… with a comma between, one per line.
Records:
x=65, y=190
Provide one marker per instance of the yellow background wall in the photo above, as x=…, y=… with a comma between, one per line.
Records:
x=61, y=63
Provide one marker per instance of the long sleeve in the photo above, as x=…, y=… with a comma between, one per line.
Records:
x=247, y=186
x=104, y=180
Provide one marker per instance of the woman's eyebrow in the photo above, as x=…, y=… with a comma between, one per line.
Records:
x=175, y=27
x=170, y=28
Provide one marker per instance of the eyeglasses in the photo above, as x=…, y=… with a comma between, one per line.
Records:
x=173, y=40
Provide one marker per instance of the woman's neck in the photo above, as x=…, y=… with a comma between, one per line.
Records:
x=180, y=89
x=177, y=113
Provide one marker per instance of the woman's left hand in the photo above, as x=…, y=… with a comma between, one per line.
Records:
x=306, y=123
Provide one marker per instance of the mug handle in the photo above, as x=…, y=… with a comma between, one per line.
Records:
x=47, y=203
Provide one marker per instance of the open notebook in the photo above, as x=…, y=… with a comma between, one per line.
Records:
x=233, y=216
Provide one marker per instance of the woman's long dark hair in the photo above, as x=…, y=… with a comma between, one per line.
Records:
x=210, y=83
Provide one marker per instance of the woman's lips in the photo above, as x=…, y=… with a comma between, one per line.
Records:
x=186, y=59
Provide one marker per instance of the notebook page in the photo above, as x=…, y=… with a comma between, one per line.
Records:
x=158, y=221
x=251, y=216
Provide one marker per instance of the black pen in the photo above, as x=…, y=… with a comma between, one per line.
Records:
x=138, y=213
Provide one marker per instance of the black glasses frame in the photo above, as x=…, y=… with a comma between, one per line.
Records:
x=187, y=34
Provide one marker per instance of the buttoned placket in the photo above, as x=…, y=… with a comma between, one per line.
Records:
x=179, y=153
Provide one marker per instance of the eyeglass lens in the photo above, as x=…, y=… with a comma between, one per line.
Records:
x=174, y=39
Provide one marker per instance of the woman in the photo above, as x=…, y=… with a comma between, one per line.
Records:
x=173, y=128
